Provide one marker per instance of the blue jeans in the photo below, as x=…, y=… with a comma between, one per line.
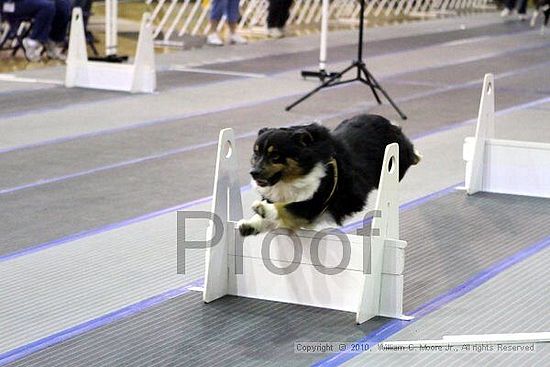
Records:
x=51, y=18
x=228, y=7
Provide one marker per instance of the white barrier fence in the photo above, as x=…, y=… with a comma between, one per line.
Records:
x=173, y=19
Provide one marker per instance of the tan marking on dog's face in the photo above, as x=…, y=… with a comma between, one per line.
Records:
x=256, y=148
x=271, y=169
x=270, y=149
x=292, y=170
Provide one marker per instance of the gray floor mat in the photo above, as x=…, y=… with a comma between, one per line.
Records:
x=451, y=239
x=112, y=196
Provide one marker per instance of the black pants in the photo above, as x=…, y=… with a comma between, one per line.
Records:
x=278, y=13
x=522, y=9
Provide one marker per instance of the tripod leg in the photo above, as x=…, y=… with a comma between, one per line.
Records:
x=370, y=83
x=324, y=85
x=375, y=84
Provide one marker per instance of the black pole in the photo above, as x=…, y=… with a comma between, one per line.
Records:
x=360, y=45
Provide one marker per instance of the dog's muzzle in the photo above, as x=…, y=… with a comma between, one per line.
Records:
x=265, y=181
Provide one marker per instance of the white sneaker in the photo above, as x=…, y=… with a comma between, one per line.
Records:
x=236, y=39
x=33, y=49
x=505, y=12
x=275, y=33
x=522, y=17
x=534, y=18
x=55, y=51
x=214, y=39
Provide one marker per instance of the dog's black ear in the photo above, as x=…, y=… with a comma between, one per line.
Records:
x=303, y=137
x=263, y=130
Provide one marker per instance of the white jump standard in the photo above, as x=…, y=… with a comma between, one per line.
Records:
x=139, y=77
x=503, y=166
x=253, y=266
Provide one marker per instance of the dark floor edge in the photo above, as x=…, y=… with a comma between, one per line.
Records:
x=38, y=345
x=394, y=326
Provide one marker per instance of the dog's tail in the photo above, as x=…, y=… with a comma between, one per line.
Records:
x=417, y=157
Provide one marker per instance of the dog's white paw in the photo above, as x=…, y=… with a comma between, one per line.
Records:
x=418, y=156
x=264, y=209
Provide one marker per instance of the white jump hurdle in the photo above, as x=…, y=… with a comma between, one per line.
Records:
x=235, y=266
x=503, y=166
x=137, y=77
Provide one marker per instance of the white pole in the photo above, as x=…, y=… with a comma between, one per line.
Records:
x=324, y=33
x=111, y=16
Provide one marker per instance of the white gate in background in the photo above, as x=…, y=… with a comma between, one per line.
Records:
x=173, y=19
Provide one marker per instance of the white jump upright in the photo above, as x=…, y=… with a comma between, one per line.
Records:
x=139, y=77
x=503, y=166
x=255, y=266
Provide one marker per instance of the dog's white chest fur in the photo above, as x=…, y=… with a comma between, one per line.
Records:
x=300, y=189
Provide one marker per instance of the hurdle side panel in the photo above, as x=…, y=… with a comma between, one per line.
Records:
x=77, y=55
x=308, y=284
x=226, y=205
x=137, y=77
x=106, y=76
x=327, y=252
x=304, y=286
x=329, y=249
x=514, y=167
x=385, y=226
x=485, y=129
x=145, y=76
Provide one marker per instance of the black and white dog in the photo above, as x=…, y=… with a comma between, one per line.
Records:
x=542, y=7
x=306, y=173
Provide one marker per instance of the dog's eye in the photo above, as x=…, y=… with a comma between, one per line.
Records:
x=276, y=158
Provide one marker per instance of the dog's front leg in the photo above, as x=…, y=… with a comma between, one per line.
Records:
x=265, y=219
x=270, y=216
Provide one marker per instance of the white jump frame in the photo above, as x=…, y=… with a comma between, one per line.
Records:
x=503, y=166
x=380, y=292
x=139, y=77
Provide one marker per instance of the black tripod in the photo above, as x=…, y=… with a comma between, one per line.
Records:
x=363, y=74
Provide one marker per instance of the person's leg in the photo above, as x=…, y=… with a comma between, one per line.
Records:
x=216, y=12
x=284, y=12
x=522, y=7
x=272, y=14
x=56, y=44
x=274, y=19
x=42, y=11
x=61, y=20
x=233, y=15
x=510, y=4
